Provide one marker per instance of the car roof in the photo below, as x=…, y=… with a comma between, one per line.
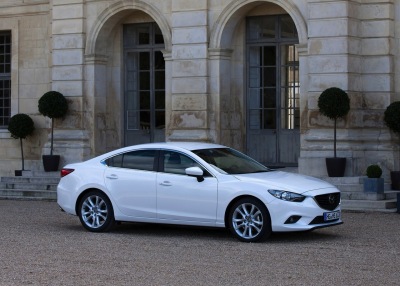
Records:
x=190, y=146
x=184, y=145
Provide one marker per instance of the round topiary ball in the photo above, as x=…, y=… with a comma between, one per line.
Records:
x=334, y=103
x=392, y=117
x=53, y=104
x=374, y=171
x=21, y=126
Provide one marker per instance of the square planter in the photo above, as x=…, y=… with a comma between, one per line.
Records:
x=374, y=185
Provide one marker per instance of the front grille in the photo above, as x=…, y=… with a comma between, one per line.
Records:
x=328, y=201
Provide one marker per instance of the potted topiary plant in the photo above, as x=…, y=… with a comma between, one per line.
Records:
x=374, y=183
x=53, y=105
x=334, y=103
x=21, y=126
x=392, y=120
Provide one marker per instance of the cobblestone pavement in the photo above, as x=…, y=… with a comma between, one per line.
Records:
x=40, y=245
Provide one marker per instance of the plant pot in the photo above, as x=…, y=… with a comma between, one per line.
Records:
x=335, y=166
x=374, y=185
x=18, y=173
x=395, y=177
x=50, y=162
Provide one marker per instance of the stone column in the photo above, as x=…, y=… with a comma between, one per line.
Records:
x=224, y=121
x=378, y=83
x=189, y=91
x=349, y=47
x=333, y=61
x=95, y=94
x=68, y=36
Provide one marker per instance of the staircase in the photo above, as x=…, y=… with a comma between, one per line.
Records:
x=354, y=198
x=31, y=185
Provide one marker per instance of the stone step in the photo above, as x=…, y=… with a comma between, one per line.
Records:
x=35, y=173
x=31, y=180
x=350, y=184
x=43, y=187
x=381, y=205
x=387, y=195
x=28, y=194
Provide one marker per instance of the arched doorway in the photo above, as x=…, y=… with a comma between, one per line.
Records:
x=144, y=84
x=272, y=92
x=267, y=42
x=110, y=56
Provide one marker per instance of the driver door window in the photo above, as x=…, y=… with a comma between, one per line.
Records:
x=176, y=163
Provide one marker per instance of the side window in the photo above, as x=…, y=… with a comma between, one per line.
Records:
x=139, y=160
x=176, y=163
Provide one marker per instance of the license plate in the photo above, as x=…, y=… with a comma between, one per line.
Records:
x=331, y=216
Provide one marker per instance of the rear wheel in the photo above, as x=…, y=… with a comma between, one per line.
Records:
x=249, y=220
x=95, y=212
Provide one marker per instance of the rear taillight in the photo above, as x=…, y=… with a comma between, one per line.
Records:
x=65, y=172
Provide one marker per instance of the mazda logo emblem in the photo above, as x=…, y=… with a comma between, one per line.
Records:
x=331, y=199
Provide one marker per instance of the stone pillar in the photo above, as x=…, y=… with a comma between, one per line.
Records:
x=378, y=82
x=332, y=62
x=71, y=135
x=349, y=47
x=224, y=120
x=189, y=91
x=95, y=111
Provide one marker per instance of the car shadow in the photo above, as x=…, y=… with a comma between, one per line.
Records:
x=161, y=230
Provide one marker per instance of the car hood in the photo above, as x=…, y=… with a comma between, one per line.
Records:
x=285, y=181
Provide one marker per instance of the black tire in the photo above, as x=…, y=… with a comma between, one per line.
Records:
x=249, y=220
x=96, y=212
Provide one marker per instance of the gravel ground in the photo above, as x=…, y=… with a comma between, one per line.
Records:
x=39, y=245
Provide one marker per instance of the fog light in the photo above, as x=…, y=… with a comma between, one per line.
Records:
x=293, y=219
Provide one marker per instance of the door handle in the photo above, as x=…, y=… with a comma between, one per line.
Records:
x=166, y=184
x=112, y=177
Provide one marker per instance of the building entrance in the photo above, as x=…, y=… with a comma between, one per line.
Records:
x=273, y=118
x=144, y=84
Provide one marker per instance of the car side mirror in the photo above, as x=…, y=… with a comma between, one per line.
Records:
x=195, y=172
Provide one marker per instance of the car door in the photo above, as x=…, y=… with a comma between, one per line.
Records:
x=131, y=181
x=182, y=198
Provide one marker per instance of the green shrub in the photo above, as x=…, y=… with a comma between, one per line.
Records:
x=334, y=103
x=392, y=117
x=374, y=171
x=21, y=126
x=53, y=105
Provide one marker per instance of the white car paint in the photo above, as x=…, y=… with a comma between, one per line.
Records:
x=150, y=196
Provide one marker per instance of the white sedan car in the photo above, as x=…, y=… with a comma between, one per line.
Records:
x=198, y=184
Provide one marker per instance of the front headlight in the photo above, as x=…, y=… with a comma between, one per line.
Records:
x=287, y=196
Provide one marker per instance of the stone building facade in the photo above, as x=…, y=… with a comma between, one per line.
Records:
x=244, y=73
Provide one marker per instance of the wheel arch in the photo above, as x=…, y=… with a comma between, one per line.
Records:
x=228, y=208
x=87, y=191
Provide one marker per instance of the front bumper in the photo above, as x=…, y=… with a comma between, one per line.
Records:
x=308, y=215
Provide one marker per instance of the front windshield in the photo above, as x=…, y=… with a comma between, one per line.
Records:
x=229, y=161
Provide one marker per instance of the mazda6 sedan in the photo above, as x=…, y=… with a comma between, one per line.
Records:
x=197, y=184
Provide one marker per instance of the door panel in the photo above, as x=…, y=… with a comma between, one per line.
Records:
x=182, y=198
x=133, y=199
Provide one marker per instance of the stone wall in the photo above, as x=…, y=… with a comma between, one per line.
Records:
x=30, y=77
x=74, y=46
x=351, y=46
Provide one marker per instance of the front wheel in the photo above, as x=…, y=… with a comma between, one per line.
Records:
x=95, y=212
x=249, y=220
